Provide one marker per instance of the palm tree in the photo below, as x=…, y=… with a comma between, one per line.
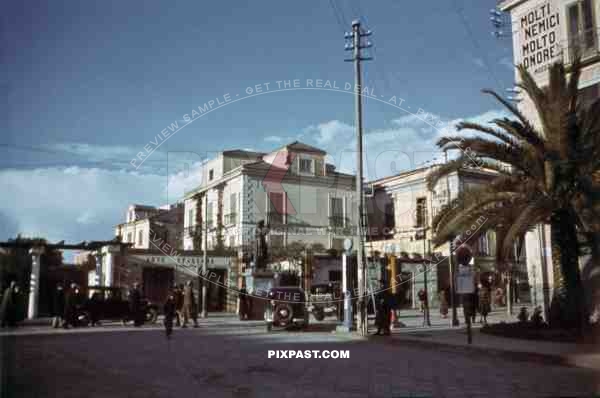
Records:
x=545, y=175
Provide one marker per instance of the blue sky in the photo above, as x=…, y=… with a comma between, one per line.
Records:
x=88, y=84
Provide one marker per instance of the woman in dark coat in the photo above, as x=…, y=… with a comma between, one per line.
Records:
x=72, y=301
x=382, y=318
x=135, y=301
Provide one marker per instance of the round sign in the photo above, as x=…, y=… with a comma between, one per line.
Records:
x=347, y=244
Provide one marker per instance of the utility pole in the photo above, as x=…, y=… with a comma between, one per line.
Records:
x=204, y=312
x=356, y=48
x=450, y=262
x=426, y=319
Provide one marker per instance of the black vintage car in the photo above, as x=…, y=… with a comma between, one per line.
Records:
x=111, y=303
x=286, y=308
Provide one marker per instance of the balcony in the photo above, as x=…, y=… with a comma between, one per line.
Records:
x=230, y=219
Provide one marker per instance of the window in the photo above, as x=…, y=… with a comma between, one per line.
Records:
x=209, y=215
x=232, y=241
x=319, y=169
x=389, y=221
x=421, y=216
x=582, y=35
x=190, y=217
x=336, y=212
x=129, y=237
x=140, y=238
x=306, y=165
x=588, y=95
x=335, y=276
x=211, y=174
x=231, y=217
x=275, y=214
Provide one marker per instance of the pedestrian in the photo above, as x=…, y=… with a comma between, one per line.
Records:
x=178, y=295
x=94, y=309
x=382, y=318
x=243, y=297
x=8, y=308
x=422, y=299
x=135, y=303
x=169, y=311
x=484, y=303
x=189, y=305
x=71, y=303
x=58, y=306
x=443, y=304
x=475, y=303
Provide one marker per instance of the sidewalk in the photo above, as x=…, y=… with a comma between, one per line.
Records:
x=441, y=335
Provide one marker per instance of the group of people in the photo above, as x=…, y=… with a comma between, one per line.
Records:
x=11, y=307
x=180, y=307
x=65, y=304
x=479, y=302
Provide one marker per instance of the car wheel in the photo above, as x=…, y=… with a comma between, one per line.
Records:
x=318, y=313
x=83, y=319
x=151, y=315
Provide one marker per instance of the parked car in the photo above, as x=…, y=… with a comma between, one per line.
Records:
x=286, y=308
x=112, y=304
x=325, y=299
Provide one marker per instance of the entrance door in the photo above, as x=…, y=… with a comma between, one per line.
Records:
x=157, y=281
x=216, y=293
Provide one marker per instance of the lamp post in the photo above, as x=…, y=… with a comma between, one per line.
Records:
x=426, y=318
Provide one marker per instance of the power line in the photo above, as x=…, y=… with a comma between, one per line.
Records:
x=460, y=12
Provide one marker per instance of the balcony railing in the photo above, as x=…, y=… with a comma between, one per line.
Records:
x=230, y=218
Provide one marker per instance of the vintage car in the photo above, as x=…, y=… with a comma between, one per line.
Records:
x=111, y=303
x=286, y=308
x=325, y=299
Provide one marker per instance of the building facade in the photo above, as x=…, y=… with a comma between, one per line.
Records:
x=400, y=215
x=292, y=189
x=544, y=32
x=147, y=224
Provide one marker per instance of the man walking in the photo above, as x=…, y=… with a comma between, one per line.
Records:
x=71, y=302
x=189, y=305
x=178, y=296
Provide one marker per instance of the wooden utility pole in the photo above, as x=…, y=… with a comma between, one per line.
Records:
x=356, y=48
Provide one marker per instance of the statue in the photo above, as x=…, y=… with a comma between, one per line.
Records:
x=260, y=245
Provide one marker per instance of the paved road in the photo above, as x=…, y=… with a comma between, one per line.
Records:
x=230, y=360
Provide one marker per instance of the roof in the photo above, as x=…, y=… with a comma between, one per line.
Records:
x=145, y=207
x=298, y=146
x=238, y=153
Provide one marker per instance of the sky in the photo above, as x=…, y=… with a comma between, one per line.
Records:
x=89, y=85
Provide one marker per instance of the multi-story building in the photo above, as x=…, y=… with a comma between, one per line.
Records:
x=146, y=224
x=292, y=189
x=544, y=32
x=400, y=215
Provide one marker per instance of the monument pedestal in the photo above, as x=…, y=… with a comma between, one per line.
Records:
x=258, y=284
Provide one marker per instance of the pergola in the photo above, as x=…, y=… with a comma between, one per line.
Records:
x=36, y=247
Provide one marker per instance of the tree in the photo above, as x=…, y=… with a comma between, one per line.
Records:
x=547, y=175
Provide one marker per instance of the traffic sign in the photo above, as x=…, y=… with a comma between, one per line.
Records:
x=465, y=280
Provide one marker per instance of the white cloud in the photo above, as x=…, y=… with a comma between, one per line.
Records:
x=77, y=203
x=479, y=62
x=273, y=138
